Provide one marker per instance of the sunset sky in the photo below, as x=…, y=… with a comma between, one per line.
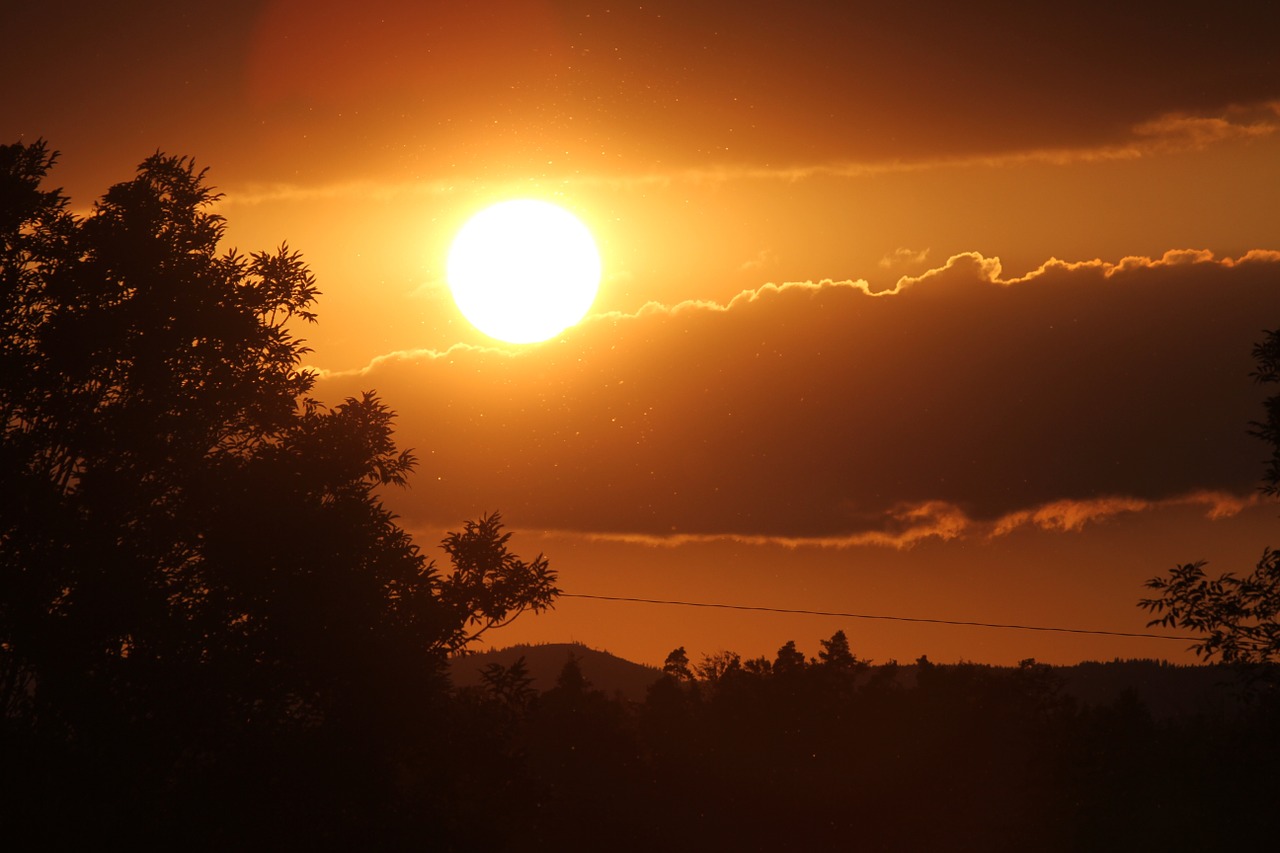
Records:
x=939, y=311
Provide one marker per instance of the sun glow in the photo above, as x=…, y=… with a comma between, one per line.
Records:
x=523, y=271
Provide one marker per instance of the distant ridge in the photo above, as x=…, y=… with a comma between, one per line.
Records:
x=607, y=673
x=1166, y=689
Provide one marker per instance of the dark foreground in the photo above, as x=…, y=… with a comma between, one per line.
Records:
x=781, y=755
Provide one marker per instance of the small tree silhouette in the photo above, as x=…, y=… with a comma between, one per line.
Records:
x=511, y=685
x=789, y=659
x=676, y=665
x=836, y=654
x=715, y=667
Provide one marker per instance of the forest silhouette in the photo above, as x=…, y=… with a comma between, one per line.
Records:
x=214, y=635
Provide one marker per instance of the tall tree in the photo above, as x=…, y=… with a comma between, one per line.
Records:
x=188, y=540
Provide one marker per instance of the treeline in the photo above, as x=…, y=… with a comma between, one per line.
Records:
x=831, y=753
x=789, y=753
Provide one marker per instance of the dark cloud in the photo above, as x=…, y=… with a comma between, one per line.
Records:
x=316, y=89
x=820, y=410
x=682, y=83
x=814, y=81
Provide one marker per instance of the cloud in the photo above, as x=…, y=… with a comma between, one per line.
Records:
x=763, y=258
x=908, y=526
x=954, y=403
x=410, y=357
x=904, y=257
x=1179, y=132
x=1163, y=135
x=1071, y=516
x=255, y=194
x=905, y=528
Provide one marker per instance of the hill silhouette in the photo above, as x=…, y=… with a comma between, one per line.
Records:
x=607, y=672
x=1165, y=689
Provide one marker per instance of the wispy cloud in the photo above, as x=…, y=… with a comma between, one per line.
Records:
x=908, y=526
x=1074, y=515
x=411, y=357
x=763, y=259
x=1169, y=134
x=255, y=194
x=904, y=257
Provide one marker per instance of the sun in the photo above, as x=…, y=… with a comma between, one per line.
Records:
x=523, y=271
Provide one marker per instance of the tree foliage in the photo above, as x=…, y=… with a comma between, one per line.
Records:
x=1266, y=355
x=1238, y=616
x=189, y=540
x=490, y=586
x=715, y=667
x=510, y=685
x=836, y=653
x=676, y=665
x=789, y=658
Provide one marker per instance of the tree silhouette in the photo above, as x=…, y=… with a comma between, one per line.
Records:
x=676, y=665
x=719, y=665
x=789, y=658
x=836, y=654
x=190, y=546
x=510, y=685
x=1238, y=616
x=490, y=586
x=1266, y=355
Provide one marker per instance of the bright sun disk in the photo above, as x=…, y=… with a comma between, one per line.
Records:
x=523, y=271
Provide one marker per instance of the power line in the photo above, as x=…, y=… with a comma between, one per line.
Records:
x=723, y=606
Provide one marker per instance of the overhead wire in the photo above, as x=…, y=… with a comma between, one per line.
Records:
x=843, y=615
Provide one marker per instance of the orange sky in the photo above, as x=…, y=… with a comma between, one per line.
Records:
x=939, y=311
